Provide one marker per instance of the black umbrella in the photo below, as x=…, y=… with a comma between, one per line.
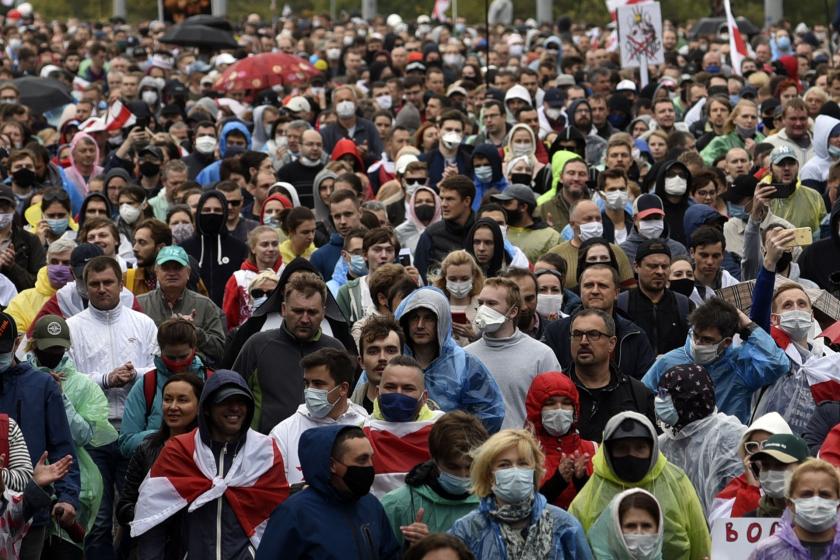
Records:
x=199, y=36
x=713, y=25
x=210, y=21
x=42, y=94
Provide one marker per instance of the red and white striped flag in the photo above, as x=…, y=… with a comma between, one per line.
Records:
x=439, y=11
x=823, y=376
x=737, y=45
x=118, y=117
x=397, y=448
x=184, y=475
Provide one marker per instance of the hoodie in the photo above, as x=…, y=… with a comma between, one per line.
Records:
x=322, y=522
x=814, y=172
x=74, y=175
x=210, y=174
x=454, y=379
x=408, y=232
x=674, y=211
x=516, y=92
x=500, y=259
x=219, y=254
x=498, y=182
x=346, y=147
x=606, y=536
x=595, y=145
x=685, y=524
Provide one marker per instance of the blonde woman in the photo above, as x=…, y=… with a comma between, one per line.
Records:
x=461, y=280
x=513, y=520
x=657, y=141
x=739, y=132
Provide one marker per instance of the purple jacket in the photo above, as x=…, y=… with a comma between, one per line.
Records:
x=785, y=545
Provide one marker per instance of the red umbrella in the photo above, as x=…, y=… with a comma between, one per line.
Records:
x=265, y=70
x=832, y=333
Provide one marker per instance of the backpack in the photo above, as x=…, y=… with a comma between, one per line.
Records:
x=150, y=386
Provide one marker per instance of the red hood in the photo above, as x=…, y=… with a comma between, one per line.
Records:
x=792, y=68
x=344, y=147
x=276, y=196
x=830, y=449
x=545, y=385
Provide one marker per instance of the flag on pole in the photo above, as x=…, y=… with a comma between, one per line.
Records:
x=118, y=116
x=737, y=44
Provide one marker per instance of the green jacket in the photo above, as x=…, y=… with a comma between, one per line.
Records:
x=558, y=163
x=159, y=205
x=401, y=505
x=535, y=240
x=722, y=144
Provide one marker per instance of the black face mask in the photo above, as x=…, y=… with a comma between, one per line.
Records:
x=630, y=469
x=682, y=286
x=424, y=212
x=358, y=480
x=211, y=224
x=48, y=358
x=24, y=178
x=784, y=261
x=520, y=179
x=149, y=169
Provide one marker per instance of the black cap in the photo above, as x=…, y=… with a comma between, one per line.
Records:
x=152, y=150
x=630, y=428
x=652, y=247
x=8, y=333
x=7, y=194
x=81, y=255
x=229, y=391
x=554, y=97
x=742, y=187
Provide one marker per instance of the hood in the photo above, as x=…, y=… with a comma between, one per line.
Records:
x=314, y=452
x=659, y=189
x=293, y=193
x=606, y=531
x=434, y=300
x=568, y=133
x=413, y=217
x=322, y=212
x=201, y=201
x=558, y=163
x=98, y=195
x=570, y=114
x=226, y=129
x=276, y=196
x=491, y=152
x=518, y=92
x=509, y=143
x=78, y=137
x=344, y=147
x=612, y=427
x=500, y=257
x=272, y=304
x=545, y=385
x=698, y=215
x=117, y=172
x=823, y=125
x=219, y=379
x=260, y=134
x=771, y=422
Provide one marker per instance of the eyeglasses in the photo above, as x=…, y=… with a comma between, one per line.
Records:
x=59, y=195
x=256, y=293
x=592, y=336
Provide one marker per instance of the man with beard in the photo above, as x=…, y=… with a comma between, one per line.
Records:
x=580, y=117
x=572, y=173
x=150, y=236
x=531, y=235
x=302, y=171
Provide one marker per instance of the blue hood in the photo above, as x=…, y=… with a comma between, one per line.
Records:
x=219, y=379
x=698, y=215
x=492, y=154
x=314, y=451
x=227, y=128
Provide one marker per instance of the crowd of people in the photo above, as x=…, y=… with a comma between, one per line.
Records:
x=454, y=293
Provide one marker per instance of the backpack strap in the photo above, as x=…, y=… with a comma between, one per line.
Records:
x=4, y=438
x=149, y=389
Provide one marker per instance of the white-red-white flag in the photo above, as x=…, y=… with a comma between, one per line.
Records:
x=118, y=116
x=737, y=45
x=439, y=11
x=397, y=448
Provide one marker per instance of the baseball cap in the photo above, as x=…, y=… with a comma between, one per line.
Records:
x=522, y=193
x=81, y=255
x=51, y=331
x=626, y=85
x=298, y=104
x=781, y=153
x=224, y=58
x=647, y=205
x=652, y=247
x=8, y=333
x=630, y=428
x=785, y=448
x=229, y=391
x=456, y=89
x=554, y=97
x=415, y=67
x=7, y=194
x=565, y=80
x=153, y=151
x=172, y=253
x=742, y=187
x=403, y=161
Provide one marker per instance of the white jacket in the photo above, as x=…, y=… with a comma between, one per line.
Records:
x=104, y=340
x=287, y=434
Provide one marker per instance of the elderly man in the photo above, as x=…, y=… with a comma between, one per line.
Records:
x=301, y=172
x=362, y=131
x=172, y=298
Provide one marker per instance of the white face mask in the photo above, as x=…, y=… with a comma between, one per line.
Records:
x=484, y=173
x=815, y=514
x=6, y=220
x=384, y=102
x=675, y=186
x=553, y=114
x=451, y=140
x=704, y=353
x=522, y=149
x=549, y=305
x=642, y=547
x=333, y=54
x=459, y=289
x=651, y=229
x=488, y=320
x=590, y=230
x=796, y=323
x=149, y=97
x=205, y=144
x=129, y=213
x=345, y=109
x=615, y=200
x=773, y=483
x=557, y=421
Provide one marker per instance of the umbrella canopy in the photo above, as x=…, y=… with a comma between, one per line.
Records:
x=42, y=94
x=200, y=36
x=712, y=26
x=210, y=21
x=265, y=70
x=832, y=333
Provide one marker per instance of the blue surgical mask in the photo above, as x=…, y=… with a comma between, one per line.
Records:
x=514, y=485
x=484, y=173
x=455, y=485
x=317, y=402
x=783, y=42
x=396, y=407
x=734, y=99
x=713, y=69
x=665, y=410
x=737, y=211
x=59, y=226
x=6, y=361
x=358, y=266
x=834, y=152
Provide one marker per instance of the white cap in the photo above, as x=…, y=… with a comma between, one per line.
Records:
x=626, y=85
x=403, y=161
x=224, y=58
x=298, y=104
x=394, y=20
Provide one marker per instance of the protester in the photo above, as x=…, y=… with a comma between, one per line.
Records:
x=771, y=465
x=632, y=526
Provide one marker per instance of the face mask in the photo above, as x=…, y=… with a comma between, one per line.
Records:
x=345, y=109
x=411, y=188
x=459, y=289
x=796, y=323
x=451, y=140
x=549, y=304
x=522, y=149
x=424, y=212
x=116, y=140
x=665, y=410
x=6, y=220
x=177, y=366
x=149, y=169
x=713, y=69
x=59, y=225
x=520, y=179
x=815, y=514
x=834, y=152
x=557, y=421
x=630, y=469
x=488, y=320
x=553, y=114
x=773, y=483
x=358, y=480
x=484, y=173
x=317, y=402
x=514, y=485
x=396, y=407
x=682, y=286
x=307, y=162
x=516, y=50
x=256, y=303
x=48, y=360
x=333, y=54
x=211, y=224
x=618, y=121
x=6, y=361
x=452, y=59
x=615, y=200
x=651, y=229
x=24, y=178
x=591, y=230
x=745, y=131
x=737, y=211
x=642, y=547
x=59, y=275
x=205, y=144
x=675, y=186
x=358, y=266
x=149, y=97
x=182, y=232
x=384, y=102
x=783, y=42
x=455, y=485
x=704, y=353
x=129, y=213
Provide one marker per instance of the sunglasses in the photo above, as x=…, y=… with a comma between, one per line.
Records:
x=752, y=447
x=59, y=195
x=256, y=293
x=235, y=203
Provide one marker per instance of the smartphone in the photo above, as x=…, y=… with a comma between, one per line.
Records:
x=802, y=237
x=404, y=257
x=783, y=190
x=459, y=317
x=5, y=245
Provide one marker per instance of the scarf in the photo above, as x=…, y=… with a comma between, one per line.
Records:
x=529, y=543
